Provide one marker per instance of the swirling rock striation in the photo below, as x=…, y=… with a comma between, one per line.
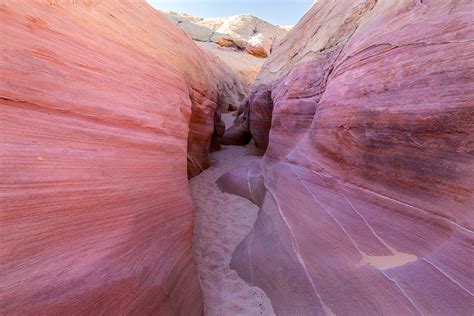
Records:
x=366, y=187
x=104, y=104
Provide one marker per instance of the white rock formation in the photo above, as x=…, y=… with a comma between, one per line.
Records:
x=242, y=42
x=244, y=32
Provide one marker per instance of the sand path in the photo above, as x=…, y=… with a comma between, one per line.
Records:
x=222, y=222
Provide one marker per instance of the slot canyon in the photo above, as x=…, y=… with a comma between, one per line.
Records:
x=159, y=163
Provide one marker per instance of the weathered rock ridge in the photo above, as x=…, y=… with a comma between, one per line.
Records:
x=244, y=32
x=365, y=111
x=242, y=41
x=244, y=66
x=104, y=106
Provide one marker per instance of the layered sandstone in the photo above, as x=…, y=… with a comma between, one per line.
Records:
x=366, y=187
x=245, y=32
x=245, y=67
x=242, y=41
x=104, y=104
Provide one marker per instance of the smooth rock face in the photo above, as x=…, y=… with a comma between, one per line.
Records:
x=253, y=120
x=98, y=101
x=366, y=188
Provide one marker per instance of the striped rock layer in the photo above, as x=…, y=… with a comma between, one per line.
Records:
x=366, y=187
x=105, y=105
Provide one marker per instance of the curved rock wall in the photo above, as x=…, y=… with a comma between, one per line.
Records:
x=366, y=188
x=98, y=102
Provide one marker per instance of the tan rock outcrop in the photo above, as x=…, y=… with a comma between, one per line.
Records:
x=366, y=188
x=245, y=32
x=242, y=42
x=245, y=67
x=103, y=104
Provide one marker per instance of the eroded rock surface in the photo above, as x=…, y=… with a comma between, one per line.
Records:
x=366, y=188
x=245, y=32
x=242, y=42
x=244, y=66
x=98, y=102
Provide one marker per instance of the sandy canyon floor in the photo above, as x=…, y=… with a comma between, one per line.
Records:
x=222, y=222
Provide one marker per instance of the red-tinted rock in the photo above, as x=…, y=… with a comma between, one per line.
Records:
x=260, y=115
x=253, y=120
x=239, y=132
x=366, y=189
x=98, y=100
x=256, y=51
x=219, y=129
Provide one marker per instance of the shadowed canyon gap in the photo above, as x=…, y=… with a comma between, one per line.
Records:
x=364, y=114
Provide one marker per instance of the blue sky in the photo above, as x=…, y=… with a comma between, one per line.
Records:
x=274, y=11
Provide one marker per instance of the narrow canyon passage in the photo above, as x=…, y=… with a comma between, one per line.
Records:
x=123, y=193
x=222, y=222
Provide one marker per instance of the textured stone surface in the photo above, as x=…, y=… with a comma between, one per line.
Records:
x=98, y=100
x=366, y=188
x=245, y=32
x=239, y=131
x=244, y=66
x=253, y=120
x=242, y=42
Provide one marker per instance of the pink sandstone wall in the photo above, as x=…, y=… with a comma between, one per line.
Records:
x=366, y=187
x=98, y=100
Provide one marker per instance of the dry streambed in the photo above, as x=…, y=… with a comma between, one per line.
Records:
x=222, y=222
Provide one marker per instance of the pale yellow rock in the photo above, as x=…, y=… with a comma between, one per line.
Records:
x=244, y=30
x=242, y=42
x=246, y=67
